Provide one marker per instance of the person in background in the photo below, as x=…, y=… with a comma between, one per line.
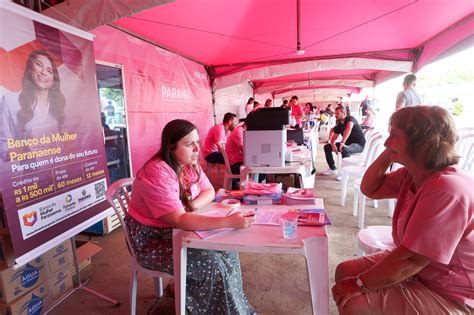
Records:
x=308, y=109
x=330, y=110
x=246, y=109
x=364, y=105
x=257, y=105
x=167, y=191
x=369, y=118
x=234, y=148
x=409, y=96
x=431, y=268
x=353, y=140
x=323, y=117
x=215, y=136
x=268, y=103
x=296, y=111
x=285, y=104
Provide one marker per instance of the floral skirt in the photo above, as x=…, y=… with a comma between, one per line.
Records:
x=213, y=278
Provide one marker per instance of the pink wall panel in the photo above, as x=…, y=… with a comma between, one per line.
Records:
x=160, y=86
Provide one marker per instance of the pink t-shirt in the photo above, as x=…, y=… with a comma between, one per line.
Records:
x=296, y=111
x=437, y=221
x=216, y=135
x=235, y=145
x=156, y=192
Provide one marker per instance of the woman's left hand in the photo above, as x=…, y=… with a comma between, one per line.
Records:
x=345, y=290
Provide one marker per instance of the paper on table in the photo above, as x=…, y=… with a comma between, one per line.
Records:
x=216, y=213
x=269, y=217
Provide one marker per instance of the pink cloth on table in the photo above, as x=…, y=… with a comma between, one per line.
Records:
x=216, y=135
x=437, y=221
x=156, y=192
x=235, y=145
x=253, y=188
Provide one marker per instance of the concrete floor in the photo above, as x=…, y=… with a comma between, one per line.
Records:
x=275, y=284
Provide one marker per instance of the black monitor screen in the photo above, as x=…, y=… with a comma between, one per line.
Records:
x=296, y=135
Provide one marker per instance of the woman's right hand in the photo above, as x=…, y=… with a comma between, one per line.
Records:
x=241, y=220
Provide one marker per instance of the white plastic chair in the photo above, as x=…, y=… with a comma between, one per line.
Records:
x=118, y=195
x=357, y=171
x=228, y=176
x=360, y=200
x=375, y=239
x=467, y=162
x=358, y=158
x=465, y=131
x=463, y=147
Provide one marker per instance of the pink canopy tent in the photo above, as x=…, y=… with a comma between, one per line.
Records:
x=238, y=36
x=249, y=47
x=247, y=38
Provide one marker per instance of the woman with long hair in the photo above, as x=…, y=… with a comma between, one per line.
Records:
x=39, y=108
x=166, y=192
x=431, y=268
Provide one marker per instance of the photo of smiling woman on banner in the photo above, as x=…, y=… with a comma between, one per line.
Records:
x=38, y=108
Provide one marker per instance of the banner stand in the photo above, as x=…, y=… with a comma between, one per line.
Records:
x=82, y=285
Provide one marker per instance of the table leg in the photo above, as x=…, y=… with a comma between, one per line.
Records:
x=317, y=259
x=180, y=256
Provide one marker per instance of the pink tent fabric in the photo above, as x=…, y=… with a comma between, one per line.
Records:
x=237, y=35
x=161, y=86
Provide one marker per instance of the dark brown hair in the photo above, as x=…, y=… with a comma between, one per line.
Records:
x=174, y=131
x=27, y=97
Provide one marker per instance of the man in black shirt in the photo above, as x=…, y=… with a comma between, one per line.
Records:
x=353, y=140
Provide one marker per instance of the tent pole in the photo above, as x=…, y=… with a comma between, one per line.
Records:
x=211, y=72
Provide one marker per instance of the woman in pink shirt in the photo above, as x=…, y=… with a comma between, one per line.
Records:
x=166, y=192
x=431, y=269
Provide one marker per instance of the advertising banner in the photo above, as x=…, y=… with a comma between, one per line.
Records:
x=53, y=166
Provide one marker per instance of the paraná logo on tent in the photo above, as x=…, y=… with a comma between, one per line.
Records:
x=173, y=93
x=200, y=75
x=29, y=219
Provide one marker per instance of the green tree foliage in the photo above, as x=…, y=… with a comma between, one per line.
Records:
x=461, y=74
x=457, y=108
x=112, y=94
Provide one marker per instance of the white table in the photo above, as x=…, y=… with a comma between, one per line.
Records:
x=311, y=242
x=302, y=165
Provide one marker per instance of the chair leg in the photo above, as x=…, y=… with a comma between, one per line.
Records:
x=344, y=180
x=391, y=207
x=158, y=286
x=133, y=289
x=356, y=201
x=363, y=199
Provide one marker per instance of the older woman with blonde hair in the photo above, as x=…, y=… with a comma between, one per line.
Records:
x=431, y=268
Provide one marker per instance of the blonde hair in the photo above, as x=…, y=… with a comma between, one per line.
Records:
x=431, y=132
